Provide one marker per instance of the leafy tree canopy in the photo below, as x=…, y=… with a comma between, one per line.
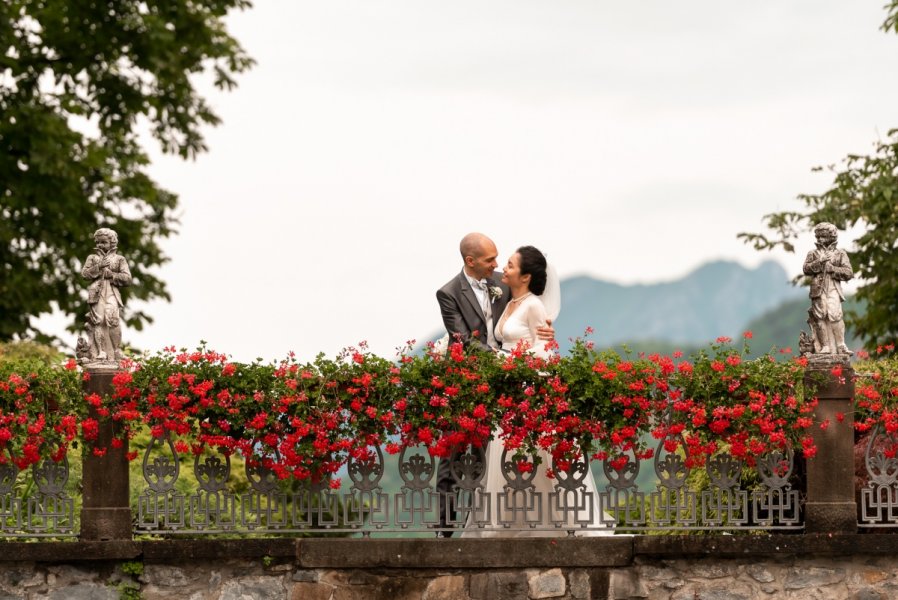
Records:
x=79, y=80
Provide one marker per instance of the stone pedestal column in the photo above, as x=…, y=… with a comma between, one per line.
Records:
x=831, y=505
x=106, y=510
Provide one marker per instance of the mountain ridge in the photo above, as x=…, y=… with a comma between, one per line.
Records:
x=716, y=299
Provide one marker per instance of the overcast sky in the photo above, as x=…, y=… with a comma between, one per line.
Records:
x=630, y=141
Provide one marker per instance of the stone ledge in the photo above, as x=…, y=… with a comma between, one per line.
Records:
x=69, y=551
x=227, y=548
x=337, y=553
x=470, y=553
x=158, y=550
x=677, y=546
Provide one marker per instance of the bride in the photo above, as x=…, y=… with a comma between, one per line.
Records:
x=527, y=275
x=535, y=299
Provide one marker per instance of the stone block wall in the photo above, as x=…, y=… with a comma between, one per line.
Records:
x=245, y=580
x=855, y=567
x=849, y=578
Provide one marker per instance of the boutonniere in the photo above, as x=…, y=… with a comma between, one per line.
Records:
x=495, y=292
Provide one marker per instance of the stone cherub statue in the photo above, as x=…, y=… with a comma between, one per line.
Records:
x=827, y=266
x=108, y=271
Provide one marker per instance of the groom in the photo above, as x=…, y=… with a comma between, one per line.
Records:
x=472, y=301
x=471, y=304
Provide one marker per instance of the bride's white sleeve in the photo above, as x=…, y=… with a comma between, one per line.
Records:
x=537, y=317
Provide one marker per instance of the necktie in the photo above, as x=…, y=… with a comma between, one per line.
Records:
x=486, y=305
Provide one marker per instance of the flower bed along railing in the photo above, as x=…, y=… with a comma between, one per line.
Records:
x=320, y=427
x=355, y=443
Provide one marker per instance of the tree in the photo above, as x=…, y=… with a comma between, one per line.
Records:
x=79, y=81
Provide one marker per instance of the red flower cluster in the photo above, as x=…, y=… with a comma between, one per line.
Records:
x=33, y=426
x=876, y=393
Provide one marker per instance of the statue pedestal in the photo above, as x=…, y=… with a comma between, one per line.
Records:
x=831, y=505
x=826, y=362
x=106, y=511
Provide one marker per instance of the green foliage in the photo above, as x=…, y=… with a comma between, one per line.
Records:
x=133, y=567
x=29, y=351
x=128, y=590
x=79, y=80
x=891, y=22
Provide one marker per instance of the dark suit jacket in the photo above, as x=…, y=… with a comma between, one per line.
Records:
x=462, y=314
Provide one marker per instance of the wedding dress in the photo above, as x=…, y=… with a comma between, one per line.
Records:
x=533, y=513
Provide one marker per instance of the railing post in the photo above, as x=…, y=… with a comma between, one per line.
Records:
x=831, y=506
x=106, y=510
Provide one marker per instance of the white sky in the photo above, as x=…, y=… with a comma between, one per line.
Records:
x=630, y=141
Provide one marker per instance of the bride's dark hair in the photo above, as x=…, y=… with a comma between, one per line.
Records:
x=533, y=263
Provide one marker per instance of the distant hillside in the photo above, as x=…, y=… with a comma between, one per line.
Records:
x=716, y=299
x=774, y=330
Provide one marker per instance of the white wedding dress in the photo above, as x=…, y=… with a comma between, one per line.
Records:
x=537, y=512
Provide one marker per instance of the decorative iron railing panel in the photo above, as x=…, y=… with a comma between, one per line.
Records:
x=36, y=503
x=879, y=497
x=722, y=495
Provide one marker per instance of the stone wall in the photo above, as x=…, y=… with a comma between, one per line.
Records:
x=853, y=567
x=848, y=578
x=251, y=580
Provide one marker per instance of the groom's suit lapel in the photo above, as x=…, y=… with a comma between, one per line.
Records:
x=468, y=293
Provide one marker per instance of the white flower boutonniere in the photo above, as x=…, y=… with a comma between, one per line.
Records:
x=495, y=292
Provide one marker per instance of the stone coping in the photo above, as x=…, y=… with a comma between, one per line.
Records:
x=733, y=546
x=383, y=553
x=466, y=553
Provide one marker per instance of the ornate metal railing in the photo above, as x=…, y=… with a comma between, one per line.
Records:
x=36, y=503
x=724, y=495
x=878, y=501
x=724, y=500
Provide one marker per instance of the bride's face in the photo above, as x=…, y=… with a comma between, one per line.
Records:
x=511, y=274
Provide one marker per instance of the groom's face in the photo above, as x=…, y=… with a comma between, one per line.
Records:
x=484, y=263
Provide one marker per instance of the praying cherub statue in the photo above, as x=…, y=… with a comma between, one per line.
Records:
x=828, y=267
x=108, y=271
